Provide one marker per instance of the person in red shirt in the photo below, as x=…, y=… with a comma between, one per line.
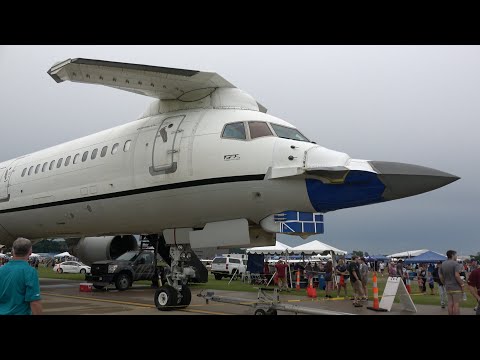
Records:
x=474, y=285
x=281, y=267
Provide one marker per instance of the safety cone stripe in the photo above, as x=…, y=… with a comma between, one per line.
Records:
x=376, y=305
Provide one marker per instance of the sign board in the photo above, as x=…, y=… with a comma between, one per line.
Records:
x=395, y=286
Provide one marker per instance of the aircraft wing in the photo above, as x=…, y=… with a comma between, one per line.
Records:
x=154, y=81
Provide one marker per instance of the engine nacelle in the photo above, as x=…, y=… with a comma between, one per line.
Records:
x=91, y=249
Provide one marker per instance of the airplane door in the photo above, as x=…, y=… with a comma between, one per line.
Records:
x=3, y=185
x=5, y=174
x=166, y=145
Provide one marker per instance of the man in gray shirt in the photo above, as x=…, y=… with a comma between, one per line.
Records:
x=450, y=276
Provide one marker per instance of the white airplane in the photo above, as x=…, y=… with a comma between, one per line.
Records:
x=204, y=166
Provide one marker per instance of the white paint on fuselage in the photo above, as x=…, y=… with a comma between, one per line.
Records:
x=199, y=155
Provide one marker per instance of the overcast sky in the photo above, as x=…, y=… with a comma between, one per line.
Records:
x=413, y=104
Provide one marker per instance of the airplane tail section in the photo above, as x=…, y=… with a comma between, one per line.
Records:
x=185, y=86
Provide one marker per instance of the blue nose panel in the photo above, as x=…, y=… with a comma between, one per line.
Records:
x=359, y=188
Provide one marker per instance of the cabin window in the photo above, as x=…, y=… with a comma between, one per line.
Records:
x=259, y=129
x=52, y=164
x=37, y=168
x=127, y=145
x=44, y=167
x=75, y=159
x=23, y=172
x=85, y=156
x=288, y=133
x=59, y=163
x=104, y=151
x=234, y=131
x=94, y=154
x=67, y=160
x=114, y=148
x=30, y=170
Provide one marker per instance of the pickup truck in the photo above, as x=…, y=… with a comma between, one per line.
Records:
x=124, y=270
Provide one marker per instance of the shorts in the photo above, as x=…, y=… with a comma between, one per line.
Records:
x=455, y=296
x=357, y=288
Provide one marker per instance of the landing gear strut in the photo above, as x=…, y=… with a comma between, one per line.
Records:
x=176, y=294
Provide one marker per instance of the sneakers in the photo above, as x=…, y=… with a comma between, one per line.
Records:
x=475, y=308
x=443, y=306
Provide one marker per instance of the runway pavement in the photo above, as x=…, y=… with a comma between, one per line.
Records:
x=63, y=297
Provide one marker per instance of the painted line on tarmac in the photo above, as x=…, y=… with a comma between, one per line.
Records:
x=133, y=303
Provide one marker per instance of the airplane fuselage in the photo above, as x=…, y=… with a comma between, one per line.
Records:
x=139, y=183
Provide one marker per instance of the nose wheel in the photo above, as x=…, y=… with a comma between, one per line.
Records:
x=176, y=294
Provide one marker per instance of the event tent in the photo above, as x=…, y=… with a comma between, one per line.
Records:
x=427, y=257
x=34, y=255
x=278, y=249
x=64, y=254
x=376, y=258
x=410, y=253
x=316, y=247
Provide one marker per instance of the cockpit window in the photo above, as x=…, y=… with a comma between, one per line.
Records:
x=288, y=133
x=259, y=129
x=234, y=131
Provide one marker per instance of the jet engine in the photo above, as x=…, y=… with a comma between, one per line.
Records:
x=91, y=249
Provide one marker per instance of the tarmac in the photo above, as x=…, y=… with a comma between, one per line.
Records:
x=63, y=297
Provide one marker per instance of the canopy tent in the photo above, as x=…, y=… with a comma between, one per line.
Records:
x=410, y=253
x=34, y=255
x=427, y=257
x=316, y=247
x=372, y=258
x=279, y=249
x=64, y=254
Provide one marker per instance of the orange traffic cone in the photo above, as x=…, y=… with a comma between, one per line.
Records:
x=407, y=285
x=298, y=281
x=311, y=291
x=376, y=305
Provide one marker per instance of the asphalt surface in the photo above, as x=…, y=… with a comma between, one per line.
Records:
x=63, y=297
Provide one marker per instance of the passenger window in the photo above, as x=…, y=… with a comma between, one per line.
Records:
x=94, y=154
x=59, y=162
x=23, y=172
x=44, y=167
x=114, y=148
x=104, y=151
x=52, y=164
x=37, y=168
x=126, y=147
x=75, y=159
x=234, y=131
x=30, y=170
x=67, y=160
x=85, y=156
x=259, y=129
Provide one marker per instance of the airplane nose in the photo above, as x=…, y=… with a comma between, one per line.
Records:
x=402, y=180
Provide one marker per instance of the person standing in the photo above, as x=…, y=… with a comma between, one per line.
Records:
x=364, y=277
x=19, y=285
x=356, y=281
x=450, y=276
x=474, y=285
x=441, y=287
x=281, y=267
x=341, y=271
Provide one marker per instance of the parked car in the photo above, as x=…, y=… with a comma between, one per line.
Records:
x=72, y=267
x=225, y=267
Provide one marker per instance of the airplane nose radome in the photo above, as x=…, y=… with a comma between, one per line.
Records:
x=402, y=180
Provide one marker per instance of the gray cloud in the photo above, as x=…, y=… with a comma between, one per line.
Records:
x=414, y=104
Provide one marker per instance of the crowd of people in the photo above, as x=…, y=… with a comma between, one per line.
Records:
x=450, y=276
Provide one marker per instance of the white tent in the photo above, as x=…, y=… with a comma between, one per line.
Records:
x=316, y=247
x=279, y=249
x=34, y=255
x=410, y=253
x=64, y=254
